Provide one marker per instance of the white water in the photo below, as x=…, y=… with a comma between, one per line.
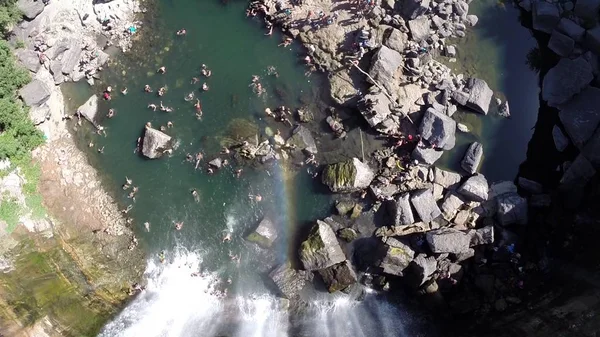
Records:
x=177, y=304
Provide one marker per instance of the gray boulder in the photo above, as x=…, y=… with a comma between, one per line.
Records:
x=349, y=176
x=35, y=93
x=321, y=248
x=587, y=9
x=421, y=269
x=303, y=139
x=504, y=109
x=411, y=9
x=571, y=29
x=30, y=8
x=575, y=179
x=480, y=95
x=395, y=40
x=56, y=71
x=384, y=65
x=560, y=140
x=341, y=88
x=375, y=108
x=545, y=16
x=155, y=143
x=592, y=39
x=425, y=205
x=581, y=116
x=438, y=129
x=58, y=48
x=471, y=20
x=265, y=234
x=397, y=258
x=29, y=59
x=472, y=158
x=561, y=44
x=451, y=204
x=566, y=79
x=530, y=185
x=475, y=188
x=447, y=179
x=402, y=212
x=426, y=154
x=419, y=28
x=89, y=109
x=461, y=8
x=502, y=187
x=338, y=277
x=482, y=236
x=448, y=240
x=289, y=281
x=71, y=57
x=512, y=208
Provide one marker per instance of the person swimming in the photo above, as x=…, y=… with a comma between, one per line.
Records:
x=181, y=32
x=147, y=88
x=111, y=113
x=227, y=237
x=152, y=106
x=195, y=80
x=205, y=86
x=162, y=91
x=124, y=91
x=178, y=225
x=189, y=97
x=147, y=226
x=196, y=195
x=161, y=256
x=162, y=70
x=169, y=124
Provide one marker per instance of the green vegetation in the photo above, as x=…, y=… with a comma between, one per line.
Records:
x=340, y=176
x=9, y=15
x=10, y=210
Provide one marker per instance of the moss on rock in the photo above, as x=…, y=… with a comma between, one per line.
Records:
x=340, y=176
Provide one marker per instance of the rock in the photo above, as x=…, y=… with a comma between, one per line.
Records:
x=89, y=109
x=342, y=90
x=460, y=97
x=587, y=9
x=462, y=128
x=475, y=188
x=451, y=51
x=480, y=96
x=560, y=140
x=216, y=163
x=401, y=211
x=289, y=281
x=504, y=110
x=561, y=44
x=347, y=234
x=540, y=200
x=447, y=179
x=29, y=59
x=375, y=108
x=58, y=48
x=56, y=71
x=592, y=39
x=581, y=116
x=71, y=57
x=397, y=258
x=462, y=217
x=512, y=208
x=412, y=9
x=482, y=236
x=448, y=240
x=321, y=249
x=438, y=130
x=566, y=79
x=39, y=115
x=530, y=185
x=472, y=158
x=419, y=28
x=303, y=139
x=545, y=16
x=155, y=143
x=578, y=173
x=426, y=154
x=35, y=93
x=31, y=8
x=384, y=66
x=344, y=207
x=349, y=176
x=421, y=269
x=425, y=205
x=471, y=20
x=500, y=305
x=571, y=29
x=338, y=277
x=265, y=234
x=452, y=202
x=395, y=40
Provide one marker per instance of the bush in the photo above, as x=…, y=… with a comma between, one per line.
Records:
x=9, y=15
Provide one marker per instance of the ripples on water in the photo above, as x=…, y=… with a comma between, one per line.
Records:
x=176, y=304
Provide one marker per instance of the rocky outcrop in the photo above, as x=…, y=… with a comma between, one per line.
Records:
x=565, y=80
x=426, y=154
x=472, y=158
x=419, y=28
x=29, y=59
x=265, y=234
x=545, y=16
x=511, y=208
x=321, y=249
x=338, y=277
x=349, y=176
x=35, y=93
x=560, y=140
x=155, y=143
x=288, y=280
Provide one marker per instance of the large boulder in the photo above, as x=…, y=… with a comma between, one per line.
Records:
x=395, y=40
x=375, y=108
x=338, y=277
x=341, y=88
x=426, y=154
x=29, y=59
x=587, y=9
x=35, y=93
x=265, y=234
x=31, y=8
x=451, y=204
x=581, y=116
x=397, y=258
x=482, y=236
x=447, y=179
x=402, y=212
x=321, y=249
x=545, y=16
x=425, y=205
x=419, y=28
x=560, y=140
x=438, y=130
x=566, y=79
x=89, y=109
x=480, y=95
x=303, y=139
x=475, y=188
x=512, y=208
x=575, y=179
x=448, y=240
x=561, y=44
x=411, y=9
x=592, y=39
x=71, y=57
x=155, y=143
x=288, y=280
x=421, y=269
x=472, y=158
x=571, y=29
x=348, y=176
x=384, y=65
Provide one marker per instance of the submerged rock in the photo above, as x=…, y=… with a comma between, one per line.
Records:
x=265, y=234
x=397, y=258
x=349, y=176
x=289, y=281
x=321, y=249
x=472, y=158
x=155, y=143
x=338, y=277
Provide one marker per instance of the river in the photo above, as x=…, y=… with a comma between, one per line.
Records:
x=235, y=48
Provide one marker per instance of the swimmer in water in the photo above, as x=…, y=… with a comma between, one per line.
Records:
x=227, y=238
x=181, y=32
x=147, y=226
x=189, y=97
x=162, y=91
x=162, y=70
x=111, y=113
x=195, y=80
x=178, y=225
x=169, y=124
x=238, y=173
x=124, y=91
x=147, y=88
x=196, y=195
x=205, y=87
x=101, y=150
x=199, y=157
x=161, y=256
x=152, y=106
x=225, y=150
